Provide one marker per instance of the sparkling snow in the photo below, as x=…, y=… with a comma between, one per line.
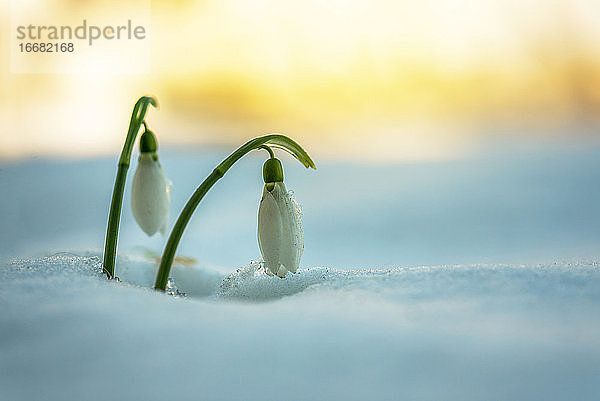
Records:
x=475, y=279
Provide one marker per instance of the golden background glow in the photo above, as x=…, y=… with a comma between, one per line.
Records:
x=385, y=80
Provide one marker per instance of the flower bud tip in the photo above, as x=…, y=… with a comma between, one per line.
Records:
x=272, y=171
x=148, y=142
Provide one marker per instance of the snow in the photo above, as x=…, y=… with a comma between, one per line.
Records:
x=460, y=332
x=471, y=279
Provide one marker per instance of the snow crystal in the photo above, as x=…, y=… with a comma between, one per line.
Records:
x=343, y=332
x=448, y=332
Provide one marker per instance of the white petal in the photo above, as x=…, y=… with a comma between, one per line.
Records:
x=297, y=231
x=280, y=235
x=269, y=231
x=150, y=195
x=291, y=228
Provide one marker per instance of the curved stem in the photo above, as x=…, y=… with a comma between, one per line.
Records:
x=268, y=149
x=112, y=230
x=280, y=141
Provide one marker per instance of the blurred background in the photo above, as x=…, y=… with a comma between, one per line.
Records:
x=445, y=131
x=377, y=80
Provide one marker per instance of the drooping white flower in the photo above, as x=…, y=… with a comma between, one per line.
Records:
x=150, y=195
x=280, y=235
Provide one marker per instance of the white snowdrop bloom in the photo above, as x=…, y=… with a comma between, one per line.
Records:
x=280, y=235
x=150, y=195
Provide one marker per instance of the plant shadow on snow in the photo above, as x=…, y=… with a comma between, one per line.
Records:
x=249, y=283
x=507, y=285
x=501, y=323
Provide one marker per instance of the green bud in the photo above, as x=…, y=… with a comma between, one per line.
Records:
x=148, y=142
x=272, y=171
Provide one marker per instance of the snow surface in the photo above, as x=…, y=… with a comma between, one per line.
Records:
x=474, y=279
x=452, y=333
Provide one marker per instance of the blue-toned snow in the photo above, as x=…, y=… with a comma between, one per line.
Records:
x=470, y=279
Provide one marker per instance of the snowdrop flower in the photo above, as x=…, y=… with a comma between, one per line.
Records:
x=150, y=193
x=280, y=235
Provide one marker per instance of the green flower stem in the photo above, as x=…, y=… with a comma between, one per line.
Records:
x=112, y=230
x=278, y=141
x=269, y=150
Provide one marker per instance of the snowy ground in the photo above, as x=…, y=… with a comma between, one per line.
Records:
x=470, y=279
